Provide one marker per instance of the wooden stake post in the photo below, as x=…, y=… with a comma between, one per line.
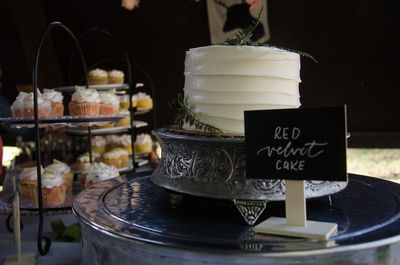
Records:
x=19, y=259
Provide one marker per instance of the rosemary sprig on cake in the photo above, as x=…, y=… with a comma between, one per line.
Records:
x=185, y=115
x=243, y=37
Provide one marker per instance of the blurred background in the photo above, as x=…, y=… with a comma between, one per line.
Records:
x=354, y=42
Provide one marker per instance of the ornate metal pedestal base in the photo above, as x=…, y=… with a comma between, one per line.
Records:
x=250, y=209
x=214, y=167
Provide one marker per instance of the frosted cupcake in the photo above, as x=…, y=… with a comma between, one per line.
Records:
x=143, y=101
x=126, y=120
x=53, y=189
x=97, y=77
x=124, y=101
x=44, y=106
x=125, y=141
x=117, y=157
x=64, y=170
x=16, y=107
x=83, y=161
x=116, y=77
x=84, y=102
x=109, y=103
x=27, y=183
x=56, y=100
x=112, y=141
x=98, y=144
x=143, y=143
x=99, y=172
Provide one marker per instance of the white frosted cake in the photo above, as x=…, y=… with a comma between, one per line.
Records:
x=223, y=81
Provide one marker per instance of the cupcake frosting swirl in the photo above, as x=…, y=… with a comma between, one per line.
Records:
x=51, y=179
x=116, y=73
x=98, y=141
x=140, y=96
x=85, y=95
x=124, y=98
x=115, y=153
x=112, y=139
x=52, y=95
x=20, y=99
x=28, y=174
x=59, y=167
x=100, y=172
x=109, y=97
x=84, y=158
x=143, y=138
x=28, y=100
x=125, y=140
x=98, y=73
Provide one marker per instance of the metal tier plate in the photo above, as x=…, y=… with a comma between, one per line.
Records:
x=117, y=129
x=134, y=221
x=62, y=120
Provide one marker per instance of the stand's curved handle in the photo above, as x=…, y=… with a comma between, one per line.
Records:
x=112, y=37
x=46, y=248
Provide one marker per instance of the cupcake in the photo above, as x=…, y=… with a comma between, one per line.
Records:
x=143, y=143
x=53, y=189
x=98, y=172
x=115, y=77
x=64, y=170
x=56, y=100
x=98, y=144
x=112, y=141
x=84, y=102
x=143, y=101
x=83, y=160
x=16, y=107
x=97, y=77
x=109, y=103
x=117, y=157
x=126, y=120
x=27, y=183
x=124, y=101
x=44, y=106
x=125, y=141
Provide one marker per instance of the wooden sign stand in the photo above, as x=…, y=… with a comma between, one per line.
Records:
x=20, y=258
x=296, y=224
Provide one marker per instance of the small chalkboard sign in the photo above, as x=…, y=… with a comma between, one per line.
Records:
x=296, y=144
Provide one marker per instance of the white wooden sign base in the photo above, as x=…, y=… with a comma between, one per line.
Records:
x=26, y=259
x=313, y=230
x=296, y=224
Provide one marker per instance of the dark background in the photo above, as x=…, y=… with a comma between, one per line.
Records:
x=355, y=43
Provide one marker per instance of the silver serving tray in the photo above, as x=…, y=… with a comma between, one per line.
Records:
x=215, y=167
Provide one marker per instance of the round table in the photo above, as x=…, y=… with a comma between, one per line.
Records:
x=130, y=220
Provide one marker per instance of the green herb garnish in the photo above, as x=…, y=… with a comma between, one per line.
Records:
x=69, y=234
x=185, y=115
x=243, y=37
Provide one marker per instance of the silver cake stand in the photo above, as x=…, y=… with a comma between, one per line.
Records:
x=130, y=221
x=215, y=167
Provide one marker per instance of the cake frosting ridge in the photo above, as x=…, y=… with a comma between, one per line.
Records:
x=223, y=81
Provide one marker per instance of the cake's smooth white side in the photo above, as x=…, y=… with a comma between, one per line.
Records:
x=221, y=82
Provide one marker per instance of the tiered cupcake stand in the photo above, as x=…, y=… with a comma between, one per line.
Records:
x=39, y=122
